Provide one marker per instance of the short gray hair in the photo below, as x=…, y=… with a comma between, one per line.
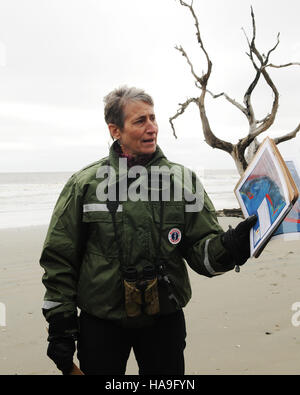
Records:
x=118, y=98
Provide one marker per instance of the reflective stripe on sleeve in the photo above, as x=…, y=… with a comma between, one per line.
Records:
x=207, y=264
x=48, y=304
x=87, y=208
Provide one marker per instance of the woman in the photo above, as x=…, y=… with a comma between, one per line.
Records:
x=117, y=248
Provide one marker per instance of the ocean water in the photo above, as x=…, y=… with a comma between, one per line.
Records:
x=28, y=199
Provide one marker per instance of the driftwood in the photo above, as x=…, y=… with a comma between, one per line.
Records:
x=230, y=212
x=261, y=63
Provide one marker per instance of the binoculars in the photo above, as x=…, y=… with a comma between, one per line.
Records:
x=141, y=293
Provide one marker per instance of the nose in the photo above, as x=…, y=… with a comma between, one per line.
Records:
x=151, y=126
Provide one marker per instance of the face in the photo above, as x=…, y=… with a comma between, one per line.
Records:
x=139, y=134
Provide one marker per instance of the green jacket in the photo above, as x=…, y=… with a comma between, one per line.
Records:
x=81, y=255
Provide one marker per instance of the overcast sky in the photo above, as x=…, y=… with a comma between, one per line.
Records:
x=59, y=58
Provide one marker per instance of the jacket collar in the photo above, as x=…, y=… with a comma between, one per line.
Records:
x=114, y=158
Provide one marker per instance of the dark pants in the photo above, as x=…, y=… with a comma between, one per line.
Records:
x=104, y=347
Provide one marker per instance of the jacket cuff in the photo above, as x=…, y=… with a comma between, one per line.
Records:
x=63, y=326
x=222, y=260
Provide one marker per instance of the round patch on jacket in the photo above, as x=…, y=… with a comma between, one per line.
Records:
x=174, y=236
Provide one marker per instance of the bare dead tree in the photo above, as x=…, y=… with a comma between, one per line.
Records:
x=261, y=63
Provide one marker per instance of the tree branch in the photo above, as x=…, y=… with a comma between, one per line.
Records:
x=287, y=136
x=272, y=49
x=247, y=97
x=180, y=111
x=269, y=119
x=209, y=136
x=262, y=120
x=228, y=98
x=282, y=65
x=203, y=80
x=183, y=53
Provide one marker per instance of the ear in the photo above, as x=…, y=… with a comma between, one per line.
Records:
x=114, y=131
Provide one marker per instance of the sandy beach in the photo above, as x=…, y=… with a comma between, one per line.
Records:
x=237, y=323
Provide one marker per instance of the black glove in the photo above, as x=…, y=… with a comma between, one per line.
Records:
x=61, y=351
x=237, y=241
x=62, y=336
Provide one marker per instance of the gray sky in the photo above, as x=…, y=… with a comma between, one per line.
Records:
x=59, y=58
